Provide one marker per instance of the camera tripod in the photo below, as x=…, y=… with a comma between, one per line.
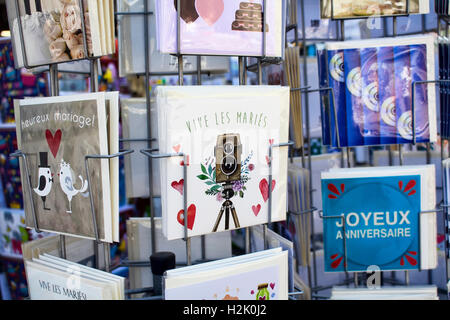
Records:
x=227, y=208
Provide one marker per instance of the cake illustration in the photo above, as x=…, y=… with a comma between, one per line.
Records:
x=249, y=17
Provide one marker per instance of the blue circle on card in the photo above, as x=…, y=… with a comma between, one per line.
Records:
x=381, y=221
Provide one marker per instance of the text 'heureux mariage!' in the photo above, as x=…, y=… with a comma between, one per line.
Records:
x=82, y=121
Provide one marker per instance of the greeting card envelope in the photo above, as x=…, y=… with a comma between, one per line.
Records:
x=132, y=45
x=219, y=27
x=56, y=134
x=217, y=246
x=225, y=133
x=388, y=225
x=134, y=126
x=258, y=276
x=77, y=250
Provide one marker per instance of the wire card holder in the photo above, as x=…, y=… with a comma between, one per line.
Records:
x=23, y=156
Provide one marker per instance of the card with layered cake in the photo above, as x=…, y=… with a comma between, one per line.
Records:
x=218, y=27
x=225, y=134
x=56, y=134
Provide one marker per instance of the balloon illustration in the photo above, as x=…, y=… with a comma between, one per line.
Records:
x=210, y=10
x=188, y=12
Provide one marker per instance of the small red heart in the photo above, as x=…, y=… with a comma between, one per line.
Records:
x=190, y=216
x=252, y=292
x=179, y=186
x=182, y=161
x=264, y=188
x=177, y=148
x=267, y=160
x=271, y=141
x=272, y=285
x=53, y=141
x=256, y=209
x=262, y=298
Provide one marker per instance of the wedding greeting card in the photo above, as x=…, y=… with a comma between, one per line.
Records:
x=257, y=276
x=56, y=134
x=218, y=27
x=373, y=83
x=366, y=8
x=225, y=133
x=384, y=225
x=132, y=45
x=53, y=30
x=52, y=278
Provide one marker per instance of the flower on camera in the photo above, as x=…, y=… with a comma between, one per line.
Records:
x=237, y=186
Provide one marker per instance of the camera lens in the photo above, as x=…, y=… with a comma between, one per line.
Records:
x=229, y=165
x=228, y=148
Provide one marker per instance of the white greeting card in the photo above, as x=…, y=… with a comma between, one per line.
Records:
x=225, y=133
x=132, y=45
x=258, y=276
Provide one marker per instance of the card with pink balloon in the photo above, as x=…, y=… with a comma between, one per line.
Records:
x=218, y=27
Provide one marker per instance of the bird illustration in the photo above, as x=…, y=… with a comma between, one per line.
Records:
x=66, y=180
x=45, y=179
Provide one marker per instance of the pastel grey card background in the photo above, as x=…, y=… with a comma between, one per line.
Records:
x=75, y=144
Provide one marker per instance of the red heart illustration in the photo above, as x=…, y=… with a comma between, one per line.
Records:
x=264, y=188
x=252, y=292
x=271, y=141
x=177, y=148
x=179, y=186
x=272, y=285
x=53, y=141
x=256, y=209
x=182, y=161
x=262, y=298
x=190, y=216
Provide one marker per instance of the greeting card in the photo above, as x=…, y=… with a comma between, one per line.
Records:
x=373, y=84
x=56, y=134
x=53, y=30
x=221, y=27
x=225, y=133
x=217, y=246
x=384, y=226
x=52, y=278
x=132, y=45
x=367, y=8
x=257, y=276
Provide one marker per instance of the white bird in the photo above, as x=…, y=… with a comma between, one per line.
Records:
x=45, y=179
x=66, y=181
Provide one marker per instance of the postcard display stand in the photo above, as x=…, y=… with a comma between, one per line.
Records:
x=439, y=82
x=54, y=89
x=152, y=153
